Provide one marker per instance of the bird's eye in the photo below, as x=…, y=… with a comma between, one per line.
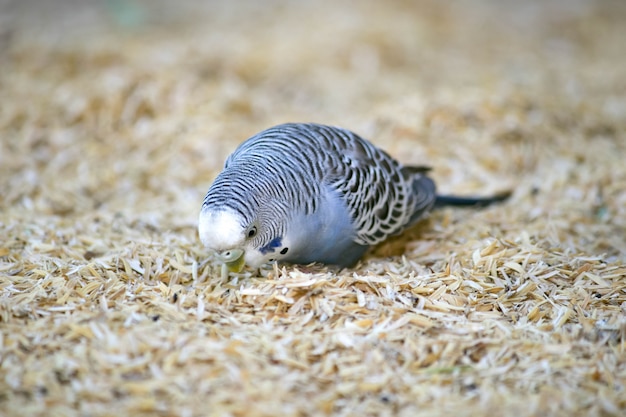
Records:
x=252, y=232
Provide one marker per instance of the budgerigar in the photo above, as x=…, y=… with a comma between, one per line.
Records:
x=303, y=193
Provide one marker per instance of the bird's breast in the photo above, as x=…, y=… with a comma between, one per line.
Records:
x=326, y=235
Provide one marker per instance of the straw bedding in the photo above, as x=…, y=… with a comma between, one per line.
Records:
x=115, y=117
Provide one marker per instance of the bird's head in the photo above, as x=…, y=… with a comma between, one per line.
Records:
x=236, y=242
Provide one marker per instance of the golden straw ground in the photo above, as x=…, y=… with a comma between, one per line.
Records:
x=116, y=116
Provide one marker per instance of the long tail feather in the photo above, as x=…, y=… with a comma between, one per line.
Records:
x=451, y=200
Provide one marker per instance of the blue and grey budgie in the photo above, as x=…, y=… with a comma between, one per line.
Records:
x=303, y=193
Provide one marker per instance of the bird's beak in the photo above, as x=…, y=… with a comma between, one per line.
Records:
x=233, y=258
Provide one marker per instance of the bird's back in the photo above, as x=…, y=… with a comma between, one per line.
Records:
x=381, y=196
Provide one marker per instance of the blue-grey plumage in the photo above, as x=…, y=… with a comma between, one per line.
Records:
x=303, y=193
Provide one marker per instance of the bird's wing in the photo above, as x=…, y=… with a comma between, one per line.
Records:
x=382, y=196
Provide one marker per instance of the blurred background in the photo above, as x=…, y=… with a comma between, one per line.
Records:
x=132, y=106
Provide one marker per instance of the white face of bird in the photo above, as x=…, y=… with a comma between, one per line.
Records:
x=226, y=233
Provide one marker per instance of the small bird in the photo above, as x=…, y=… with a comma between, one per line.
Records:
x=303, y=193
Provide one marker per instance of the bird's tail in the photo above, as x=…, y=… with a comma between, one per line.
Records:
x=452, y=200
